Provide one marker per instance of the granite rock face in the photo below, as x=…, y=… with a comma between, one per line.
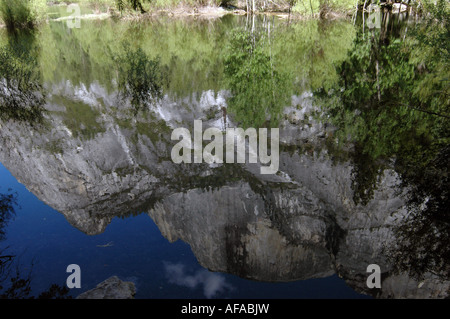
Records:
x=229, y=230
x=111, y=288
x=297, y=224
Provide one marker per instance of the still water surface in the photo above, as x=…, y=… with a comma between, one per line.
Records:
x=90, y=181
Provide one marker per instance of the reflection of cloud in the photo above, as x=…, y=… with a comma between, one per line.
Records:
x=212, y=283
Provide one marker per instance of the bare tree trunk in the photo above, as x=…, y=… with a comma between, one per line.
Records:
x=408, y=11
x=364, y=17
x=253, y=24
x=356, y=11
x=378, y=83
x=386, y=23
x=247, y=23
x=289, y=16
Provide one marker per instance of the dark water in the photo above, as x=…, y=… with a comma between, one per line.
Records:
x=87, y=177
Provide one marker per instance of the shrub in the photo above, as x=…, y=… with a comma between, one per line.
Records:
x=19, y=14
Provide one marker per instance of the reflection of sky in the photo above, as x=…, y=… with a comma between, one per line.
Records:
x=138, y=252
x=213, y=283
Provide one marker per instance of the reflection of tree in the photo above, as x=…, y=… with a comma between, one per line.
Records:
x=7, y=202
x=135, y=4
x=141, y=79
x=371, y=79
x=391, y=104
x=423, y=238
x=22, y=95
x=17, y=287
x=259, y=91
x=13, y=284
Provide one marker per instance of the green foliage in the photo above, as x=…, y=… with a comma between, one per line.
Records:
x=20, y=14
x=310, y=50
x=141, y=79
x=319, y=7
x=192, y=50
x=341, y=5
x=391, y=105
x=423, y=239
x=22, y=96
x=384, y=107
x=260, y=92
x=16, y=14
x=191, y=54
x=39, y=10
x=307, y=7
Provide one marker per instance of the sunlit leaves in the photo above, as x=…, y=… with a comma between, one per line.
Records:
x=259, y=91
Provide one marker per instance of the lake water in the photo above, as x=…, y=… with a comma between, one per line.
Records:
x=87, y=178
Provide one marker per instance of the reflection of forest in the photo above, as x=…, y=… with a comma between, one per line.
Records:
x=392, y=101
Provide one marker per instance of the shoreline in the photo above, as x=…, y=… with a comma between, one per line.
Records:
x=181, y=11
x=210, y=12
x=206, y=14
x=206, y=11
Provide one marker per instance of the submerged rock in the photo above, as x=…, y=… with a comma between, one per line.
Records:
x=111, y=288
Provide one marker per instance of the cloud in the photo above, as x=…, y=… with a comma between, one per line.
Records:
x=212, y=283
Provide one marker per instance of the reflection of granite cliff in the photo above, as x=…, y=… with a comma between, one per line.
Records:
x=298, y=224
